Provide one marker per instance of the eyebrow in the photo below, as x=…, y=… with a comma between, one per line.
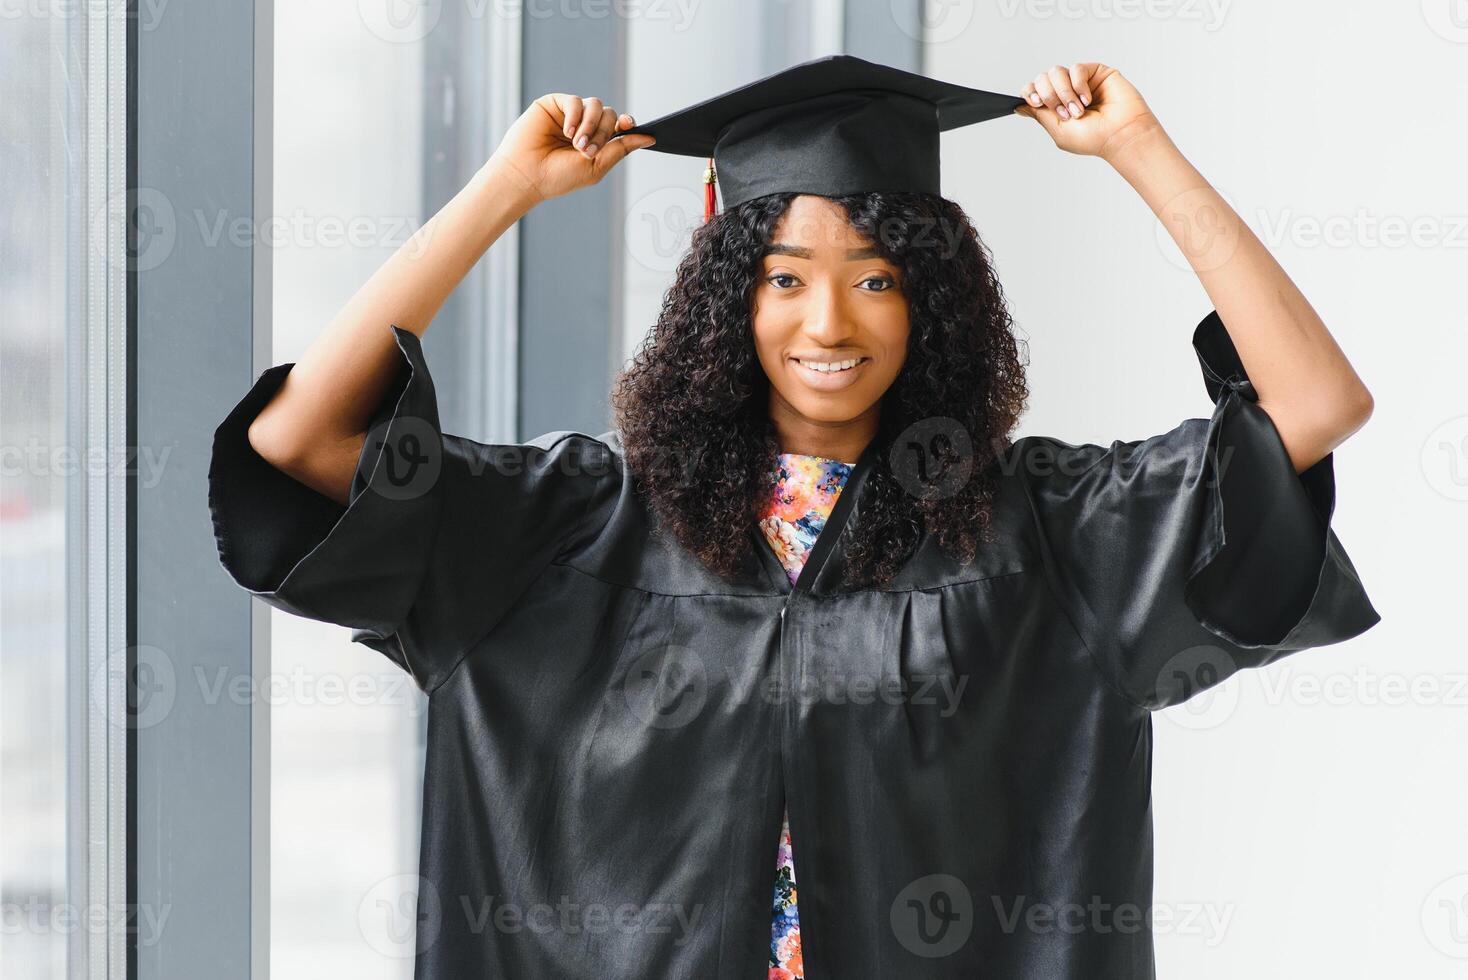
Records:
x=870, y=252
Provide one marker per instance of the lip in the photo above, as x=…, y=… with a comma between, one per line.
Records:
x=823, y=381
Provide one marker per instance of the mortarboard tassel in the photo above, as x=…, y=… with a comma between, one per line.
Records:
x=709, y=180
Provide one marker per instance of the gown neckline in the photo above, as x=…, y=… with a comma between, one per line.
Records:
x=826, y=541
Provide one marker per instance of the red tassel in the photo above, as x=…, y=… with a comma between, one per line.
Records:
x=709, y=179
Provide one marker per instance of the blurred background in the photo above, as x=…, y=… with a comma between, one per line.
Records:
x=1309, y=817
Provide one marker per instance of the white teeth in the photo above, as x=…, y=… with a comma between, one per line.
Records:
x=829, y=366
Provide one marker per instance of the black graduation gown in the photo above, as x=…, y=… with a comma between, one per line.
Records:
x=965, y=752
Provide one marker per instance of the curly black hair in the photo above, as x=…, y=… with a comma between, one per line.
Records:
x=693, y=405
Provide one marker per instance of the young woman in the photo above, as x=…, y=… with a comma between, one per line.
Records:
x=807, y=581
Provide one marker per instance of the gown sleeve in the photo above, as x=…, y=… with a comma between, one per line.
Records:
x=1186, y=556
x=440, y=534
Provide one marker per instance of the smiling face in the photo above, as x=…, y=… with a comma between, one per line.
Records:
x=830, y=329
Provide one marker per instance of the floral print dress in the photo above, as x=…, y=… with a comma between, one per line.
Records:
x=806, y=488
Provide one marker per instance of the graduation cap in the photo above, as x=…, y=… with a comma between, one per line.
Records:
x=831, y=126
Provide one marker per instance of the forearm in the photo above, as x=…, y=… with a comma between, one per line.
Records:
x=329, y=396
x=1301, y=376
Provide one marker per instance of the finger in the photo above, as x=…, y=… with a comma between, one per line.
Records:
x=1048, y=98
x=1080, y=80
x=622, y=146
x=1031, y=96
x=1070, y=103
x=603, y=131
x=616, y=149
x=571, y=113
x=638, y=141
x=590, y=119
x=624, y=122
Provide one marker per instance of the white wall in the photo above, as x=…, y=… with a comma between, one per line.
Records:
x=1317, y=803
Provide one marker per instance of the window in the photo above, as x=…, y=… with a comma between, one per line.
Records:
x=63, y=494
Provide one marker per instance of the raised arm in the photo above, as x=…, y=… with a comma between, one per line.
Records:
x=1301, y=377
x=315, y=425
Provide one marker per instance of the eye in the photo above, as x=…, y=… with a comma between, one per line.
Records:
x=886, y=280
x=779, y=275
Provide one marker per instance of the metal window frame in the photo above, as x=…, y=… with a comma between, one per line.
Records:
x=262, y=172
x=200, y=81
x=99, y=528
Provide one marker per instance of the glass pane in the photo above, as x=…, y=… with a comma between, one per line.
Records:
x=40, y=132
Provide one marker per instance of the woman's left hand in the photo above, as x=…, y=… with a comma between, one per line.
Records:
x=1084, y=106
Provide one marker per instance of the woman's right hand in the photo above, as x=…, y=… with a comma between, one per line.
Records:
x=542, y=145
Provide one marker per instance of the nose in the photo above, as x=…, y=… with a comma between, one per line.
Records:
x=827, y=321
